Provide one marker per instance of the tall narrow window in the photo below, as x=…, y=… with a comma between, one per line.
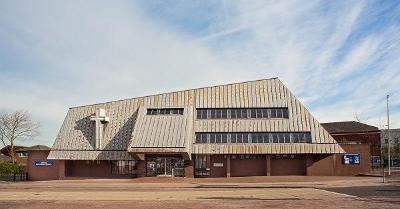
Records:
x=200, y=165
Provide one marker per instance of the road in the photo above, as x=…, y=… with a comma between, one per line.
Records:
x=253, y=192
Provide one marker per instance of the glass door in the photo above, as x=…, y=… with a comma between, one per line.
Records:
x=164, y=166
x=161, y=166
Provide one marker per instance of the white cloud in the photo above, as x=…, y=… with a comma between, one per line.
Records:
x=80, y=53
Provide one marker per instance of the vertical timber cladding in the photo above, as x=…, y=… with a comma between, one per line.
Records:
x=75, y=139
x=267, y=93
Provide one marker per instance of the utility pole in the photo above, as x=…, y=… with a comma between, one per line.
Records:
x=382, y=163
x=388, y=131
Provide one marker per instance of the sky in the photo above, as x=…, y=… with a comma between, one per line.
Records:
x=340, y=58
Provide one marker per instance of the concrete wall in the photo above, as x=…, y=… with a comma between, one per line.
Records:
x=40, y=173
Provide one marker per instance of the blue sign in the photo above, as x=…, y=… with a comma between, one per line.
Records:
x=351, y=159
x=44, y=162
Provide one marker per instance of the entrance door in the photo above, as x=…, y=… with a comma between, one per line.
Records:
x=164, y=166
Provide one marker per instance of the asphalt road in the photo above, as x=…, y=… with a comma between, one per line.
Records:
x=236, y=193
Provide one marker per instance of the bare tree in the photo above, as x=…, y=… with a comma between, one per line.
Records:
x=16, y=126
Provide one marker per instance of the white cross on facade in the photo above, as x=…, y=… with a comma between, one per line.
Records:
x=99, y=119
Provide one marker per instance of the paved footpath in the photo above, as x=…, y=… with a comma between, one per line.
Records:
x=254, y=192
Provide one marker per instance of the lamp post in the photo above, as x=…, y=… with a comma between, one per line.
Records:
x=388, y=131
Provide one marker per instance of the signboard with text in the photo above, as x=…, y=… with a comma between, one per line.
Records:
x=44, y=162
x=351, y=159
x=218, y=164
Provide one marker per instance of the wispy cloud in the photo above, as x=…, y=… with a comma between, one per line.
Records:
x=340, y=58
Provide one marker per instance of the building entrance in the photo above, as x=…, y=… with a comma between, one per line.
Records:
x=165, y=166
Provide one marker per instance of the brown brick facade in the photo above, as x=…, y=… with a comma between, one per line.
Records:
x=38, y=173
x=332, y=165
x=220, y=165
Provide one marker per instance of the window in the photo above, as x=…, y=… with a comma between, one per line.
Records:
x=200, y=165
x=275, y=138
x=285, y=112
x=233, y=138
x=234, y=113
x=273, y=113
x=248, y=157
x=224, y=138
x=242, y=113
x=255, y=137
x=245, y=138
x=167, y=111
x=201, y=138
x=22, y=154
x=213, y=138
x=123, y=167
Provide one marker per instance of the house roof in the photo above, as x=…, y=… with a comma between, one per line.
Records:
x=37, y=147
x=348, y=127
x=4, y=150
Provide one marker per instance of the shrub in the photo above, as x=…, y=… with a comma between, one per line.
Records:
x=8, y=168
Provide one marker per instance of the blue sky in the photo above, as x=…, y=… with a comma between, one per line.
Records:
x=341, y=58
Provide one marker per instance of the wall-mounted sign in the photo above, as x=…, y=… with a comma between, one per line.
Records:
x=218, y=164
x=44, y=162
x=351, y=159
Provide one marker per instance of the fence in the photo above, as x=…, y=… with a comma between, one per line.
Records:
x=178, y=172
x=18, y=176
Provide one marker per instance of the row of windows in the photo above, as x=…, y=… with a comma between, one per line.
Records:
x=267, y=137
x=165, y=111
x=248, y=157
x=233, y=113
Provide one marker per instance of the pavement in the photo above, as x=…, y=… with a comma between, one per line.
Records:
x=248, y=192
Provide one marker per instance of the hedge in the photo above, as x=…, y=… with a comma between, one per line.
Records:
x=8, y=168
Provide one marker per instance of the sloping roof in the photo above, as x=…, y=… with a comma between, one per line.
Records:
x=17, y=148
x=120, y=134
x=89, y=155
x=348, y=127
x=162, y=131
x=37, y=147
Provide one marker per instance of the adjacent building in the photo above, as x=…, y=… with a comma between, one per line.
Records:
x=357, y=139
x=20, y=154
x=251, y=128
x=394, y=135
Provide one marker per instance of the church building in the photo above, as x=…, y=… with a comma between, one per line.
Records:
x=254, y=128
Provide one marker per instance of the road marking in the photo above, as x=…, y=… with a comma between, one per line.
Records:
x=337, y=193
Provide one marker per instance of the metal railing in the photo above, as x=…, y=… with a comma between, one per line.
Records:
x=178, y=172
x=18, y=176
